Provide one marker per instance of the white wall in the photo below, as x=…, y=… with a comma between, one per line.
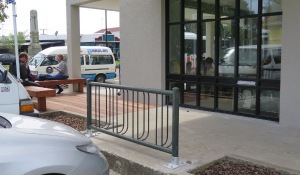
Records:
x=142, y=29
x=290, y=66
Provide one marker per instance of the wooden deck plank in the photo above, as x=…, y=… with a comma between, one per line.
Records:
x=77, y=103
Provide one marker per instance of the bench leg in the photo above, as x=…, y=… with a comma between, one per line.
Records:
x=41, y=103
x=80, y=87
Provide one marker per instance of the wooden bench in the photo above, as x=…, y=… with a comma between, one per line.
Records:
x=50, y=83
x=40, y=93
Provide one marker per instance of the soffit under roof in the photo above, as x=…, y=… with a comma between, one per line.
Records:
x=113, y=5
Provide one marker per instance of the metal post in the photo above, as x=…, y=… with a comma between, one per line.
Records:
x=106, y=44
x=16, y=39
x=89, y=107
x=175, y=131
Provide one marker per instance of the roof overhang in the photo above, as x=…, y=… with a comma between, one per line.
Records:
x=113, y=5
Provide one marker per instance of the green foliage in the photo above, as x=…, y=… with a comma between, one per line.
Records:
x=9, y=41
x=117, y=63
x=3, y=15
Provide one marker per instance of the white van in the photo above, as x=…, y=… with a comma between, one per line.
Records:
x=97, y=62
x=270, y=58
x=13, y=96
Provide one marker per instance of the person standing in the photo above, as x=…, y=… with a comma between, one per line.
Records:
x=62, y=72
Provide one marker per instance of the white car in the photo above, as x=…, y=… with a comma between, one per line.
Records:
x=33, y=146
x=270, y=58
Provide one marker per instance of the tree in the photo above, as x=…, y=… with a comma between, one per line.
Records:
x=9, y=41
x=3, y=15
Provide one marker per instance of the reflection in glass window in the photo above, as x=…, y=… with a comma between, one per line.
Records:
x=190, y=49
x=174, y=12
x=190, y=10
x=271, y=62
x=225, y=98
x=208, y=45
x=208, y=9
x=190, y=94
x=174, y=49
x=248, y=7
x=227, y=8
x=226, y=48
x=270, y=6
x=207, y=96
x=248, y=31
x=246, y=100
x=269, y=103
x=271, y=50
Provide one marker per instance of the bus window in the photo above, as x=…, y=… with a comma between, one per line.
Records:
x=101, y=59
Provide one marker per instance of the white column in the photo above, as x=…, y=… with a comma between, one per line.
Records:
x=142, y=43
x=73, y=41
x=290, y=64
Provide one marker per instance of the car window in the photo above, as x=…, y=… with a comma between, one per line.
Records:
x=49, y=61
x=4, y=123
x=277, y=56
x=37, y=59
x=1, y=78
x=81, y=60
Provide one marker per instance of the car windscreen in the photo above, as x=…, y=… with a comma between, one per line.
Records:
x=34, y=61
x=4, y=123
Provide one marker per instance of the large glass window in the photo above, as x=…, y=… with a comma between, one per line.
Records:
x=225, y=55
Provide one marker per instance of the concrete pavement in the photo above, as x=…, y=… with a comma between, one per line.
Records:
x=207, y=136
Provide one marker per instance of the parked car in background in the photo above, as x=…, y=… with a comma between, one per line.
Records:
x=33, y=146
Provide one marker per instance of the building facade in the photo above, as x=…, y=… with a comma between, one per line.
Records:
x=229, y=56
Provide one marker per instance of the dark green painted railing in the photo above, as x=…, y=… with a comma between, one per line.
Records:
x=134, y=114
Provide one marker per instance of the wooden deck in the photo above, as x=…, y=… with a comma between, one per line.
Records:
x=76, y=103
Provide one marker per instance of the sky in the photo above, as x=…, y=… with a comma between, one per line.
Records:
x=52, y=17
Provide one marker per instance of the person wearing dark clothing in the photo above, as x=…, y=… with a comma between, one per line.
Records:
x=61, y=75
x=25, y=75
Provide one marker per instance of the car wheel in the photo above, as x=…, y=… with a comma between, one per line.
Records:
x=100, y=78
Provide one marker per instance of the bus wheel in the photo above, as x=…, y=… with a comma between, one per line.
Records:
x=100, y=79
